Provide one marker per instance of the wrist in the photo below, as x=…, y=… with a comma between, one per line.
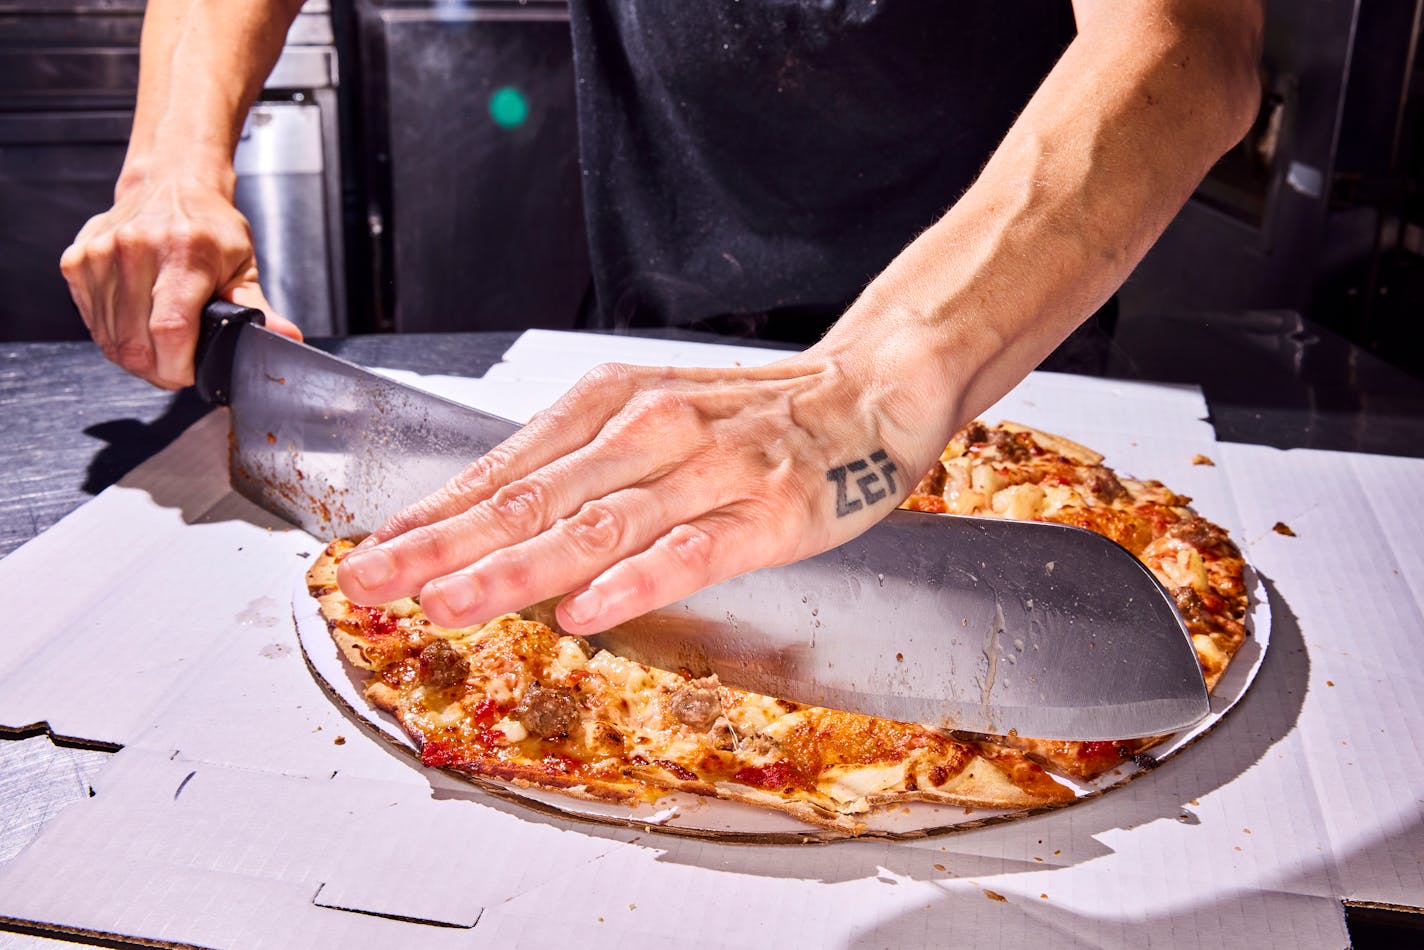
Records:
x=906, y=339
x=911, y=368
x=208, y=169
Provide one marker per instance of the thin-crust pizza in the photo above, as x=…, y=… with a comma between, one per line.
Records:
x=515, y=700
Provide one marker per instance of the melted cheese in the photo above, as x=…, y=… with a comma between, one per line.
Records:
x=499, y=688
x=676, y=747
x=1060, y=496
x=754, y=714
x=442, y=712
x=512, y=729
x=622, y=673
x=853, y=783
x=986, y=480
x=1019, y=502
x=405, y=607
x=1179, y=564
x=570, y=655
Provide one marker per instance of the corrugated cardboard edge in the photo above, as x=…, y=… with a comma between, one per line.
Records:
x=92, y=938
x=42, y=728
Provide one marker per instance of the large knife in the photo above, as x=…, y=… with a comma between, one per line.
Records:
x=963, y=623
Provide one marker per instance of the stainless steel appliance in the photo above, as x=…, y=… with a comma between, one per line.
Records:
x=68, y=77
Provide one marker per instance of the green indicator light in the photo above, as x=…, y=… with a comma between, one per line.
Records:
x=508, y=107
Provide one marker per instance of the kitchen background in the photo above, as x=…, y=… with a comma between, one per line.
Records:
x=411, y=166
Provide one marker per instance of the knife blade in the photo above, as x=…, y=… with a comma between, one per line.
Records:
x=325, y=444
x=976, y=624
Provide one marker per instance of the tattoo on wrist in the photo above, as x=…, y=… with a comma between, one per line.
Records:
x=863, y=482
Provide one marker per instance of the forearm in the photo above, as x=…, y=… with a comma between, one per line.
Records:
x=202, y=63
x=1107, y=151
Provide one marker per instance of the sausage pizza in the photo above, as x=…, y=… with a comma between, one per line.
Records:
x=517, y=701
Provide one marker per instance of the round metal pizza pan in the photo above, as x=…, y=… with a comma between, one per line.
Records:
x=696, y=816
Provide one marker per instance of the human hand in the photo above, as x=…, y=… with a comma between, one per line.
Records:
x=642, y=485
x=141, y=272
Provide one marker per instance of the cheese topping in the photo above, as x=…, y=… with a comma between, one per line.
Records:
x=847, y=783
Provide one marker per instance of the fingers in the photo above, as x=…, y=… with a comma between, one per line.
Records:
x=132, y=308
x=73, y=266
x=179, y=293
x=694, y=555
x=516, y=513
x=564, y=428
x=566, y=557
x=141, y=272
x=246, y=292
x=636, y=489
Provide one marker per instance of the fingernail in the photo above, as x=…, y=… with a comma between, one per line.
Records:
x=372, y=568
x=458, y=594
x=584, y=607
x=369, y=541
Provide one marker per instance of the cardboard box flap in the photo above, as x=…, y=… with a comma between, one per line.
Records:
x=1349, y=576
x=174, y=516
x=161, y=828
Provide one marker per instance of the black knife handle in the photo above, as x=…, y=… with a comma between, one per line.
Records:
x=217, y=345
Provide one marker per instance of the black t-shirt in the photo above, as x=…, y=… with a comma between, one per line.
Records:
x=752, y=165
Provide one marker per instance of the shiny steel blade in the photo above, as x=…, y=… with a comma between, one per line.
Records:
x=964, y=623
x=336, y=449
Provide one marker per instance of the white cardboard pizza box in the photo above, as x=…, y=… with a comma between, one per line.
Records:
x=246, y=810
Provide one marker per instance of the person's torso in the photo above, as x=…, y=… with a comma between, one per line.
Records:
x=771, y=156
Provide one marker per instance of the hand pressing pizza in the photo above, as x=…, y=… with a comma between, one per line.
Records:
x=513, y=699
x=642, y=485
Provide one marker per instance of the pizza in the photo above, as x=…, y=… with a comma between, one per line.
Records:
x=1013, y=471
x=517, y=701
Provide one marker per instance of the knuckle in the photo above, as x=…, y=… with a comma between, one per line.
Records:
x=606, y=375
x=521, y=507
x=691, y=548
x=407, y=519
x=516, y=576
x=133, y=238
x=475, y=477
x=596, y=529
x=134, y=356
x=640, y=584
x=169, y=327
x=567, y=411
x=71, y=262
x=187, y=240
x=426, y=513
x=654, y=408
x=99, y=249
x=432, y=548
